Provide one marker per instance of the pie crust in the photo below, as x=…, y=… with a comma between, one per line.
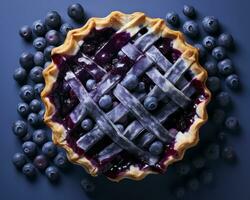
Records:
x=128, y=22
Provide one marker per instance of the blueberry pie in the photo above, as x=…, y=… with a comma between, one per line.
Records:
x=125, y=96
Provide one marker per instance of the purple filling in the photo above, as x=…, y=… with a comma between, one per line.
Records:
x=65, y=100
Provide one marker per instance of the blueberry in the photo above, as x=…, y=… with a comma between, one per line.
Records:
x=180, y=192
x=26, y=60
x=87, y=185
x=150, y=103
x=87, y=124
x=76, y=12
x=38, y=88
x=219, y=53
x=214, y=83
x=189, y=11
x=212, y=151
x=226, y=40
x=20, y=75
x=39, y=28
x=199, y=162
x=36, y=74
x=39, y=136
x=218, y=116
x=183, y=168
x=47, y=52
x=25, y=32
x=231, y=123
x=52, y=173
x=61, y=160
x=206, y=176
x=105, y=102
x=223, y=99
x=53, y=37
x=23, y=109
x=29, y=170
x=27, y=93
x=27, y=137
x=156, y=148
x=193, y=184
x=33, y=119
x=210, y=24
x=49, y=149
x=130, y=81
x=201, y=50
x=39, y=58
x=41, y=116
x=53, y=20
x=90, y=84
x=29, y=148
x=211, y=67
x=173, y=19
x=141, y=87
x=228, y=154
x=65, y=28
x=39, y=43
x=19, y=160
x=225, y=67
x=209, y=42
x=47, y=64
x=35, y=105
x=20, y=128
x=191, y=29
x=41, y=162
x=233, y=82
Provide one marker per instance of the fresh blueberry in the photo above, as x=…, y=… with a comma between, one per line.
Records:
x=206, y=176
x=233, y=82
x=39, y=58
x=141, y=87
x=90, y=84
x=214, y=83
x=201, y=50
x=33, y=119
x=19, y=160
x=228, y=154
x=191, y=29
x=27, y=93
x=20, y=128
x=87, y=185
x=36, y=74
x=222, y=136
x=53, y=37
x=76, y=12
x=39, y=28
x=226, y=40
x=39, y=136
x=39, y=43
x=225, y=67
x=193, y=184
x=29, y=170
x=49, y=149
x=41, y=162
x=61, y=160
x=183, y=168
x=52, y=173
x=47, y=52
x=87, y=124
x=20, y=75
x=156, y=148
x=150, y=103
x=47, y=64
x=130, y=81
x=218, y=116
x=212, y=151
x=35, y=105
x=29, y=148
x=25, y=32
x=173, y=19
x=219, y=53
x=180, y=192
x=209, y=42
x=211, y=67
x=199, y=162
x=210, y=24
x=223, y=99
x=65, y=28
x=120, y=127
x=27, y=137
x=53, y=20
x=38, y=88
x=23, y=109
x=26, y=60
x=41, y=116
x=231, y=123
x=189, y=11
x=105, y=102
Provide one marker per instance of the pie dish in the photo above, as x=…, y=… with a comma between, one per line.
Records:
x=140, y=86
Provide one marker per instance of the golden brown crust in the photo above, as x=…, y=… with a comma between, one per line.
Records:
x=128, y=22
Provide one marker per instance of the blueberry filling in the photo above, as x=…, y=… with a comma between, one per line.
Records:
x=106, y=55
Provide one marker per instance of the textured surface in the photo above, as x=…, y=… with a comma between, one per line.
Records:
x=231, y=182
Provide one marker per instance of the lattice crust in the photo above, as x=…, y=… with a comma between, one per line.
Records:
x=170, y=86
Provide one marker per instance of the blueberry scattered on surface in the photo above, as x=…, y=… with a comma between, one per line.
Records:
x=35, y=105
x=26, y=60
x=26, y=32
x=209, y=42
x=156, y=148
x=36, y=74
x=150, y=103
x=47, y=52
x=223, y=99
x=29, y=170
x=41, y=162
x=38, y=88
x=193, y=184
x=20, y=75
x=87, y=124
x=211, y=67
x=53, y=38
x=29, y=148
x=191, y=29
x=53, y=20
x=27, y=93
x=39, y=43
x=206, y=176
x=61, y=160
x=228, y=154
x=39, y=136
x=105, y=102
x=130, y=81
x=90, y=84
x=231, y=123
x=233, y=82
x=39, y=58
x=183, y=168
x=212, y=151
x=189, y=11
x=19, y=160
x=225, y=67
x=23, y=109
x=65, y=28
x=218, y=116
x=214, y=83
x=219, y=53
x=39, y=28
x=76, y=12
x=52, y=173
x=199, y=162
x=173, y=19
x=210, y=24
x=33, y=119
x=226, y=40
x=87, y=185
x=201, y=50
x=49, y=149
x=20, y=128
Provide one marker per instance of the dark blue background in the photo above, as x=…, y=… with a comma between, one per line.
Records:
x=231, y=182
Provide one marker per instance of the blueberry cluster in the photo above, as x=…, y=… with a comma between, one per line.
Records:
x=38, y=151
